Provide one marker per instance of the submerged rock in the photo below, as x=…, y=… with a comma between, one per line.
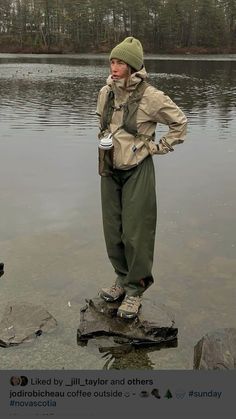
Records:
x=24, y=322
x=216, y=350
x=153, y=326
x=1, y=268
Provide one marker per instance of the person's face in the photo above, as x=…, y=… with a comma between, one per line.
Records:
x=119, y=69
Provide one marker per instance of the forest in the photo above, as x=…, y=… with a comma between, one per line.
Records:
x=85, y=26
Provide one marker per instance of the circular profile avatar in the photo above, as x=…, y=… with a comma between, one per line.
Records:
x=24, y=380
x=15, y=380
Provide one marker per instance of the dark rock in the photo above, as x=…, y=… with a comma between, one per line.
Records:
x=153, y=326
x=24, y=322
x=1, y=269
x=216, y=350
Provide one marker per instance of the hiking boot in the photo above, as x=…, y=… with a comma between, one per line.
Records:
x=129, y=307
x=155, y=393
x=112, y=294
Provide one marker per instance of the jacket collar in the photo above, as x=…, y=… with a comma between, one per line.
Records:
x=132, y=82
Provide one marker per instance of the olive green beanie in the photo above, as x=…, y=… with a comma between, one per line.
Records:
x=130, y=51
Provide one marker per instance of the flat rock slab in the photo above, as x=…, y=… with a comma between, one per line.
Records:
x=216, y=350
x=24, y=322
x=153, y=326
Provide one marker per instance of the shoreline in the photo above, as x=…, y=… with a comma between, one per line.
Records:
x=175, y=51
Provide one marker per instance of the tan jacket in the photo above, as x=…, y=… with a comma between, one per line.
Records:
x=155, y=107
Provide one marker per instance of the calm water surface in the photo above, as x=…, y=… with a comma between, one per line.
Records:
x=51, y=237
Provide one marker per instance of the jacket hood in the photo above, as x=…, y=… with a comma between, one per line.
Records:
x=133, y=80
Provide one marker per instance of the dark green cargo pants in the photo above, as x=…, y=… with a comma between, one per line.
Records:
x=129, y=222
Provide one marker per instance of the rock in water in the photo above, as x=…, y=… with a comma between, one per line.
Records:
x=1, y=268
x=153, y=326
x=216, y=350
x=24, y=322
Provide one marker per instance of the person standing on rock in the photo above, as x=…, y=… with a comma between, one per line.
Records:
x=129, y=109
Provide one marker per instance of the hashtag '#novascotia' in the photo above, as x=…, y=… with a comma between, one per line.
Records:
x=190, y=393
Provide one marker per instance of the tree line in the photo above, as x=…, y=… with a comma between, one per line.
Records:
x=97, y=25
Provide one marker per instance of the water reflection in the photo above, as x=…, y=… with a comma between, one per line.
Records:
x=118, y=354
x=48, y=95
x=210, y=87
x=51, y=92
x=130, y=359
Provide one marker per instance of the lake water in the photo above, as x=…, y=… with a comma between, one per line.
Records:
x=51, y=238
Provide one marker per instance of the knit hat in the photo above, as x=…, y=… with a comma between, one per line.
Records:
x=130, y=51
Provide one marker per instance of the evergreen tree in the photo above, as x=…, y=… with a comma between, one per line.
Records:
x=97, y=25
